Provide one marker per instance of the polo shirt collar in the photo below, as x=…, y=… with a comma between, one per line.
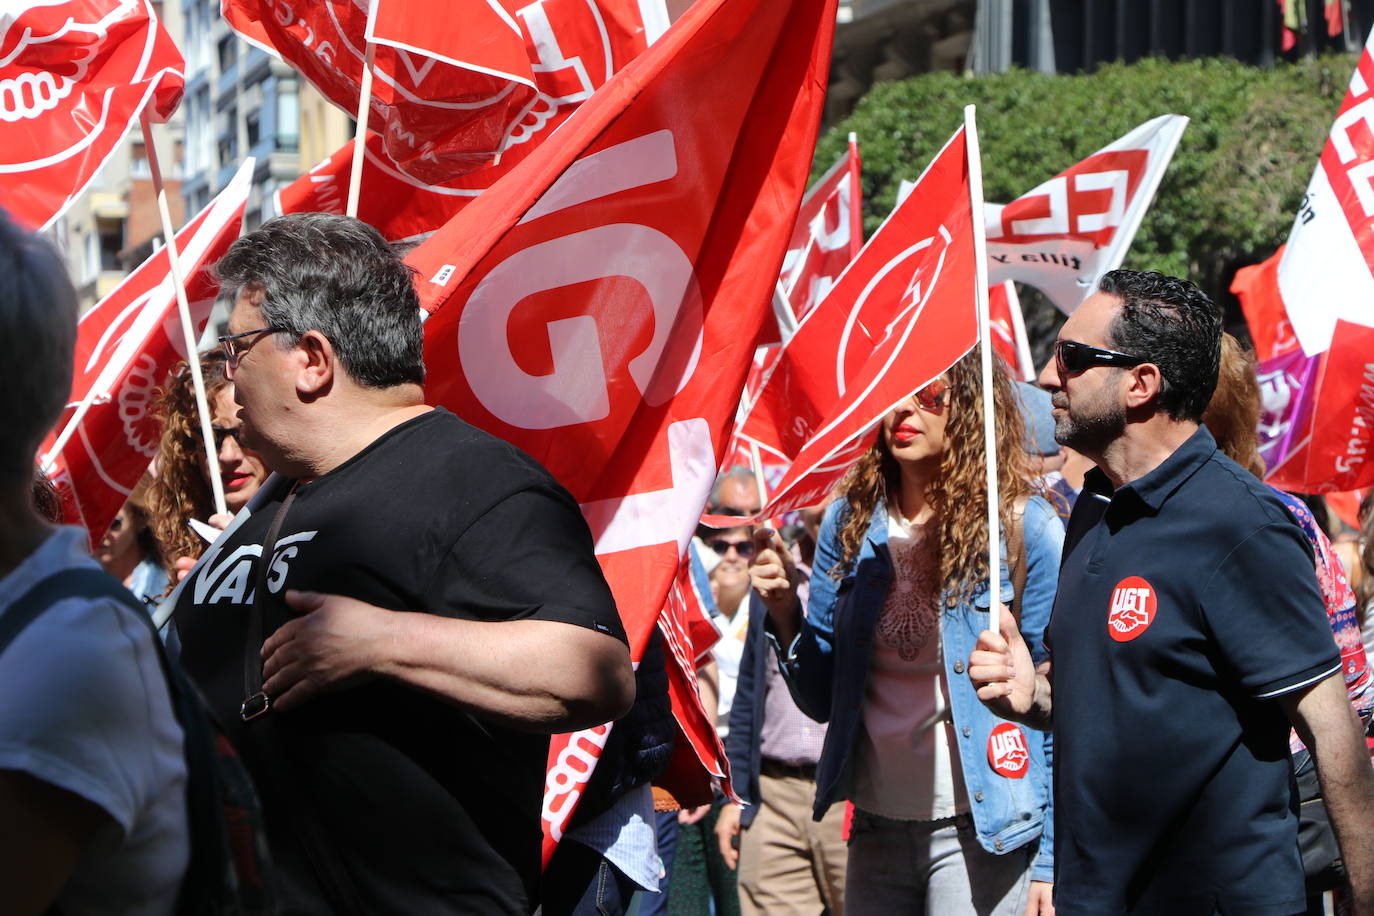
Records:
x=1157, y=486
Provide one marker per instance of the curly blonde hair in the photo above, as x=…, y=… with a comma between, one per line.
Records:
x=1233, y=414
x=180, y=491
x=958, y=495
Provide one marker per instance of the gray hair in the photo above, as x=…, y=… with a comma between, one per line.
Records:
x=38, y=313
x=336, y=275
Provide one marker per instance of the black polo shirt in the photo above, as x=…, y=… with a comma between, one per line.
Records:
x=1187, y=601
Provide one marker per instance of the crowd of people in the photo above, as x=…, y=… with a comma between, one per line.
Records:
x=398, y=610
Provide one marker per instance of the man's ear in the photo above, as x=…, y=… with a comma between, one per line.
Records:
x=1144, y=385
x=316, y=364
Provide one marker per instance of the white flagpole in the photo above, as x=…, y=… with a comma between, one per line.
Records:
x=759, y=481
x=782, y=311
x=355, y=176
x=980, y=262
x=187, y=325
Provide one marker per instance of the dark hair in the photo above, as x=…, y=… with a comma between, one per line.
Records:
x=1174, y=325
x=338, y=276
x=37, y=342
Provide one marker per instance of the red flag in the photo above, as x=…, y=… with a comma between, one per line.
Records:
x=827, y=236
x=1257, y=288
x=898, y=317
x=458, y=86
x=73, y=76
x=1063, y=235
x=1009, y=330
x=1336, y=443
x=125, y=347
x=599, y=308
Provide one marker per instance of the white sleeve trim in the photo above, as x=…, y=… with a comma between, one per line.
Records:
x=1298, y=686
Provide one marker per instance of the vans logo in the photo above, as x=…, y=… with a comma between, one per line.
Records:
x=230, y=579
x=1007, y=751
x=1132, y=609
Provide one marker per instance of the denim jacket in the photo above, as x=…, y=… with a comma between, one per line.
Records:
x=827, y=665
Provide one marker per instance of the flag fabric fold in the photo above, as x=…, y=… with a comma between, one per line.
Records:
x=598, y=308
x=125, y=347
x=73, y=76
x=899, y=316
x=458, y=87
x=1063, y=235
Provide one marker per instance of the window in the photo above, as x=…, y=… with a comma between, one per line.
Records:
x=228, y=53
x=252, y=123
x=288, y=115
x=111, y=232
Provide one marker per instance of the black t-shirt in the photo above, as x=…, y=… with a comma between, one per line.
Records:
x=432, y=811
x=1187, y=601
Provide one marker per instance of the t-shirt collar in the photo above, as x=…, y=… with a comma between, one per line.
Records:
x=1157, y=486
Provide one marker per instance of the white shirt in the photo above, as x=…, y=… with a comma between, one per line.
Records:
x=86, y=709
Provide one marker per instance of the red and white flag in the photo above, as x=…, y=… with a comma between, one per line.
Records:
x=901, y=315
x=458, y=86
x=599, y=308
x=73, y=76
x=1257, y=288
x=1065, y=234
x=1319, y=394
x=1008, y=327
x=125, y=346
x=828, y=235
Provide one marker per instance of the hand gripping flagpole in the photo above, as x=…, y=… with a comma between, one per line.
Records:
x=187, y=325
x=980, y=262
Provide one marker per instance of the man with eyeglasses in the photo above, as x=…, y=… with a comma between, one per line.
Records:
x=1187, y=633
x=394, y=625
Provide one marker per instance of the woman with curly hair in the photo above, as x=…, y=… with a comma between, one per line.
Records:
x=952, y=805
x=181, y=490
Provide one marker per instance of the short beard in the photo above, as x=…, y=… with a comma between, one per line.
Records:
x=1090, y=434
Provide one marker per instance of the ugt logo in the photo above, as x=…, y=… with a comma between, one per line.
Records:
x=1132, y=609
x=1007, y=752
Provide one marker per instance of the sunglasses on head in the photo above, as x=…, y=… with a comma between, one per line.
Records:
x=1072, y=356
x=721, y=546
x=933, y=397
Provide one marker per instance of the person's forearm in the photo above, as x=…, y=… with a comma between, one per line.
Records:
x=1347, y=782
x=534, y=675
x=785, y=623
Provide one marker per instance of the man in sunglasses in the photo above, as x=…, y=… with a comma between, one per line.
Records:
x=394, y=625
x=1188, y=632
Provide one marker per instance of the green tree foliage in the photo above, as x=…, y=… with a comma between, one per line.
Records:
x=1232, y=189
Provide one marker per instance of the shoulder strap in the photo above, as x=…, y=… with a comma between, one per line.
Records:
x=1016, y=554
x=69, y=583
x=330, y=871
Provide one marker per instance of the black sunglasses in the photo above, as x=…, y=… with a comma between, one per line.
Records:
x=224, y=432
x=1072, y=356
x=721, y=546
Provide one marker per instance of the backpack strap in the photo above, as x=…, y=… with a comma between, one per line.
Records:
x=69, y=583
x=1016, y=554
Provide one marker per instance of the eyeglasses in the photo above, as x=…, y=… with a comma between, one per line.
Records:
x=721, y=546
x=224, y=432
x=933, y=397
x=233, y=351
x=1072, y=356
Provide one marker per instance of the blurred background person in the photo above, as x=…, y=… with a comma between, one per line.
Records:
x=129, y=550
x=181, y=491
x=952, y=805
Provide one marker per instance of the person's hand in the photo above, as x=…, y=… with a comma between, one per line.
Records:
x=1001, y=670
x=1040, y=900
x=220, y=520
x=774, y=576
x=727, y=834
x=183, y=566
x=692, y=815
x=335, y=643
